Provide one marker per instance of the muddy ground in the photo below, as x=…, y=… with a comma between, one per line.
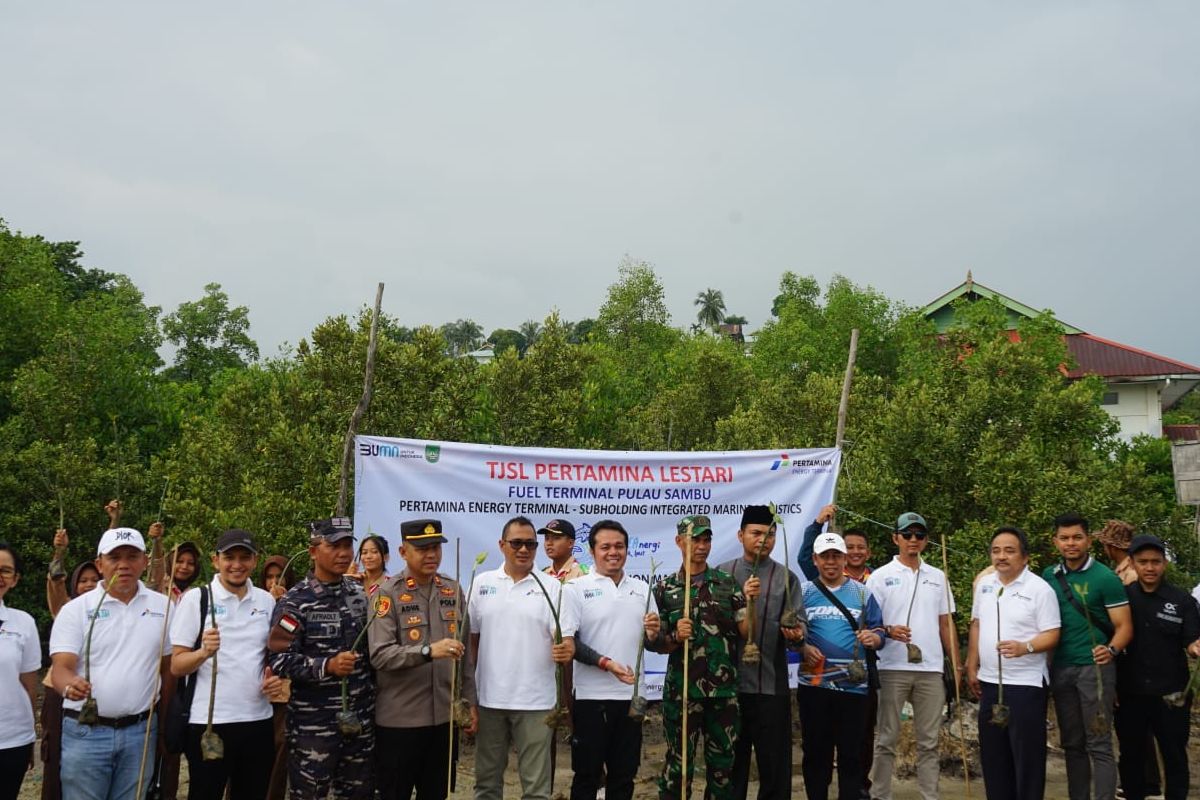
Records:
x=653, y=750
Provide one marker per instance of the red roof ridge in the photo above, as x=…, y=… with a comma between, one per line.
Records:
x=1186, y=367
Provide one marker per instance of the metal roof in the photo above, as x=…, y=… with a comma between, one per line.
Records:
x=1097, y=356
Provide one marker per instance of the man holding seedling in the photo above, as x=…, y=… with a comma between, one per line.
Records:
x=414, y=645
x=522, y=628
x=708, y=635
x=331, y=714
x=1096, y=626
x=916, y=618
x=1152, y=674
x=1014, y=625
x=106, y=646
x=776, y=626
x=236, y=621
x=616, y=612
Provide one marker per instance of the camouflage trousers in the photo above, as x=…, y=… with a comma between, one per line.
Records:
x=320, y=759
x=717, y=718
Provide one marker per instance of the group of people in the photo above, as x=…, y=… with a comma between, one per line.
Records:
x=352, y=682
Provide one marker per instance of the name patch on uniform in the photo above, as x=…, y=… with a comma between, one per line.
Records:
x=288, y=624
x=410, y=608
x=447, y=603
x=324, y=616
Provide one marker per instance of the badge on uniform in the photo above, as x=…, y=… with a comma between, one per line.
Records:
x=410, y=582
x=414, y=634
x=383, y=605
x=447, y=591
x=452, y=627
x=288, y=624
x=406, y=598
x=414, y=619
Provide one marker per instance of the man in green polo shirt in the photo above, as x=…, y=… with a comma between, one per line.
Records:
x=1096, y=625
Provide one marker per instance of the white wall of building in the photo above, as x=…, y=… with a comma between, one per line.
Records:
x=1138, y=407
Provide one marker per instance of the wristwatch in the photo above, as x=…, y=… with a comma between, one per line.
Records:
x=427, y=653
x=1113, y=650
x=1029, y=646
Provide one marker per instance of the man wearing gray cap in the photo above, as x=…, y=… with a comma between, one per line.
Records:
x=916, y=618
x=313, y=631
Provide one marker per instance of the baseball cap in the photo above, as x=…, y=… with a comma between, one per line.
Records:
x=236, y=537
x=700, y=523
x=331, y=530
x=559, y=527
x=422, y=532
x=1144, y=540
x=829, y=541
x=120, y=537
x=908, y=519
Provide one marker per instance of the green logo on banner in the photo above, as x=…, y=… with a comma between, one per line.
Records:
x=432, y=453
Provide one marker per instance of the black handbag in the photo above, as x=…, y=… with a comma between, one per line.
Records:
x=179, y=710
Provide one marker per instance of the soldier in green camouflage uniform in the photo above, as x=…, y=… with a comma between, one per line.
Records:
x=718, y=618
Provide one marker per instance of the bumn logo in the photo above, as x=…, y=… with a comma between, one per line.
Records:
x=433, y=452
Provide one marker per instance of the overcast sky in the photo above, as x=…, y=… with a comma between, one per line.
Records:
x=496, y=160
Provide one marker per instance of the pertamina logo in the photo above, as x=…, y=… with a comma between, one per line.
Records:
x=785, y=463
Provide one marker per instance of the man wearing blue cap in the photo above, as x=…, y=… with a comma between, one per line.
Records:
x=1152, y=673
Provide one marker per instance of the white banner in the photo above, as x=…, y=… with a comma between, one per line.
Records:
x=474, y=489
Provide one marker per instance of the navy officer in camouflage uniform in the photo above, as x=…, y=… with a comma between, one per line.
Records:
x=718, y=620
x=313, y=631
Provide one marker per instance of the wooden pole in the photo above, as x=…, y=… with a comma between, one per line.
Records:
x=843, y=408
x=962, y=731
x=687, y=651
x=359, y=410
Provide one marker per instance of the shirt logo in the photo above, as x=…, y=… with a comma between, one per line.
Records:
x=588, y=594
x=1170, y=608
x=149, y=613
x=891, y=581
x=99, y=613
x=484, y=591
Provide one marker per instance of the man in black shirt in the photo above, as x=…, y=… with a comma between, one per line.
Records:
x=1152, y=673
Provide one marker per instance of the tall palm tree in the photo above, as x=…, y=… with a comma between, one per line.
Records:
x=531, y=330
x=712, y=308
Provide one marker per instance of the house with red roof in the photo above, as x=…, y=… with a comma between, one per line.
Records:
x=1140, y=384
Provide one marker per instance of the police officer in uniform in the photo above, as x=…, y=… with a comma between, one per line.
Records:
x=413, y=645
x=313, y=630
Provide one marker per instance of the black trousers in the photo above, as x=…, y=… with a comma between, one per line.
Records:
x=246, y=767
x=14, y=763
x=867, y=753
x=1138, y=717
x=1014, y=757
x=767, y=730
x=832, y=720
x=413, y=758
x=605, y=739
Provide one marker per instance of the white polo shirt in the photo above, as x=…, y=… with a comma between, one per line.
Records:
x=1027, y=607
x=516, y=631
x=896, y=587
x=127, y=646
x=244, y=624
x=611, y=623
x=20, y=652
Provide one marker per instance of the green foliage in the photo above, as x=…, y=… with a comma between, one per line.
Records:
x=209, y=337
x=711, y=308
x=973, y=429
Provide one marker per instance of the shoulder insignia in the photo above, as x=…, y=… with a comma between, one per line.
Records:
x=410, y=582
x=288, y=624
x=383, y=605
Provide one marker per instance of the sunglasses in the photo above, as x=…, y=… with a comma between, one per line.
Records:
x=910, y=534
x=522, y=544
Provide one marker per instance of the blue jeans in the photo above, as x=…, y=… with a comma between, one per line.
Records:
x=102, y=763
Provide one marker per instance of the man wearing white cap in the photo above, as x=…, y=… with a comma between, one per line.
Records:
x=843, y=622
x=101, y=756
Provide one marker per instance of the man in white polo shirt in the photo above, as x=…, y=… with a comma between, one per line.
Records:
x=612, y=623
x=101, y=760
x=916, y=614
x=512, y=631
x=1015, y=623
x=242, y=714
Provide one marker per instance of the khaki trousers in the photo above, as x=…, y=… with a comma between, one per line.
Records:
x=499, y=731
x=927, y=694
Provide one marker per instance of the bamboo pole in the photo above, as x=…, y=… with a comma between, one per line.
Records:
x=359, y=410
x=962, y=729
x=843, y=410
x=687, y=650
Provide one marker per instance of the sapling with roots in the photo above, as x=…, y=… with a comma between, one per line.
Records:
x=348, y=721
x=914, y=651
x=557, y=718
x=789, y=618
x=89, y=714
x=212, y=748
x=751, y=653
x=637, y=706
x=1099, y=723
x=999, y=710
